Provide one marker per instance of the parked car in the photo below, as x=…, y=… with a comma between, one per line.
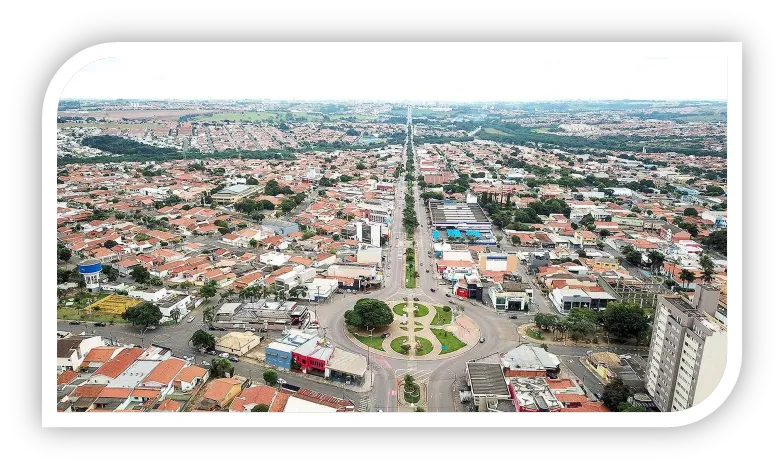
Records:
x=416, y=299
x=385, y=335
x=514, y=316
x=212, y=328
x=427, y=271
x=211, y=352
x=222, y=329
x=451, y=302
x=281, y=381
x=99, y=324
x=432, y=289
x=191, y=318
x=224, y=355
x=205, y=363
x=481, y=340
x=250, y=329
x=234, y=358
x=74, y=323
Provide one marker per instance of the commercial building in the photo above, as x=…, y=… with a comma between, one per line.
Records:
x=530, y=362
x=687, y=356
x=279, y=227
x=458, y=215
x=232, y=194
x=489, y=389
x=238, y=343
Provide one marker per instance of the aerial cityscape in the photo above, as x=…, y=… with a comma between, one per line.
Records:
x=370, y=256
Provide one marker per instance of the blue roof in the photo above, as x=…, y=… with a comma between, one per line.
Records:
x=453, y=233
x=475, y=233
x=436, y=235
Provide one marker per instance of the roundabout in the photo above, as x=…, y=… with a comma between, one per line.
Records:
x=419, y=331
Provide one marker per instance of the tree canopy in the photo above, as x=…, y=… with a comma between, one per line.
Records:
x=203, y=339
x=624, y=320
x=219, y=367
x=270, y=377
x=615, y=394
x=209, y=289
x=144, y=314
x=370, y=313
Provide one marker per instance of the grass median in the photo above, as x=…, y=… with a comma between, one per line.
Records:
x=449, y=342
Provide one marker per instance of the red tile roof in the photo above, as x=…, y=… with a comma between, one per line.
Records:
x=252, y=396
x=165, y=372
x=118, y=364
x=66, y=377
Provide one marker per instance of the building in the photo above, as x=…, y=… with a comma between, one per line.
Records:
x=497, y=262
x=458, y=215
x=279, y=227
x=174, y=306
x=687, y=356
x=529, y=362
x=72, y=351
x=232, y=194
x=367, y=254
x=510, y=296
x=488, y=386
x=237, y=343
x=278, y=353
x=564, y=299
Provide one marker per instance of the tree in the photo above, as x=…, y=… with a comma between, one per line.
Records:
x=260, y=408
x=110, y=243
x=144, y=314
x=615, y=394
x=220, y=367
x=111, y=273
x=626, y=407
x=335, y=237
x=64, y=254
x=209, y=289
x=686, y=276
x=604, y=232
x=545, y=321
x=352, y=318
x=624, y=320
x=656, y=260
x=300, y=291
x=633, y=256
x=419, y=408
x=372, y=313
x=707, y=267
x=251, y=293
x=140, y=274
x=690, y=212
x=717, y=241
x=515, y=240
x=270, y=377
x=203, y=339
x=253, y=243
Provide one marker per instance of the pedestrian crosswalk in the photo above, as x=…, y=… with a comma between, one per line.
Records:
x=363, y=404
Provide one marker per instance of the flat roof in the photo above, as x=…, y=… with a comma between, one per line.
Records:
x=456, y=213
x=347, y=362
x=487, y=379
x=295, y=404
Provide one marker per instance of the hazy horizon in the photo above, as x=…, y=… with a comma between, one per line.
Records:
x=404, y=72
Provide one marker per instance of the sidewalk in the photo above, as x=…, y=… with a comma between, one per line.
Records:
x=365, y=387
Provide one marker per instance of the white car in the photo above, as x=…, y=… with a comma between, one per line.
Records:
x=191, y=318
x=281, y=381
x=224, y=355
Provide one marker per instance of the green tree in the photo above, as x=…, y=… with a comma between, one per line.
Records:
x=144, y=314
x=706, y=263
x=300, y=291
x=209, y=289
x=140, y=274
x=110, y=243
x=253, y=243
x=604, y=232
x=656, y=260
x=260, y=408
x=626, y=407
x=686, y=276
x=545, y=321
x=615, y=394
x=64, y=254
x=373, y=313
x=352, y=318
x=335, y=237
x=219, y=367
x=111, y=273
x=515, y=240
x=717, y=241
x=624, y=320
x=270, y=377
x=632, y=256
x=419, y=408
x=690, y=212
x=203, y=339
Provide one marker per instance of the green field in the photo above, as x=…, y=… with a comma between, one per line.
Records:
x=82, y=315
x=421, y=310
x=398, y=309
x=493, y=131
x=375, y=342
x=447, y=338
x=426, y=345
x=397, y=345
x=264, y=116
x=442, y=317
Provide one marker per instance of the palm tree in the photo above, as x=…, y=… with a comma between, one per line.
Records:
x=686, y=276
x=707, y=268
x=252, y=292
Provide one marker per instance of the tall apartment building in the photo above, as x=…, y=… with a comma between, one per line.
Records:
x=688, y=354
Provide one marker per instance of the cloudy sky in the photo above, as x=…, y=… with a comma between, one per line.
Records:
x=408, y=71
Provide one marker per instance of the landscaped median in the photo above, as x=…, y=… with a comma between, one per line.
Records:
x=397, y=345
x=425, y=346
x=374, y=342
x=410, y=268
x=443, y=316
x=447, y=339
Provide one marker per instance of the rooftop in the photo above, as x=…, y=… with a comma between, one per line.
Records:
x=487, y=379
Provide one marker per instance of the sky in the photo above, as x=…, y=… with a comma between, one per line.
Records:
x=404, y=72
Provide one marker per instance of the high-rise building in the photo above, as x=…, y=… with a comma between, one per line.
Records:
x=688, y=354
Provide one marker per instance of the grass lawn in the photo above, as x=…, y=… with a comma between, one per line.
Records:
x=442, y=317
x=412, y=398
x=491, y=130
x=397, y=345
x=421, y=310
x=375, y=342
x=447, y=338
x=410, y=275
x=417, y=329
x=426, y=345
x=398, y=309
x=79, y=314
x=533, y=334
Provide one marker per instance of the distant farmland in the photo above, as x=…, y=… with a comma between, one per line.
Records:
x=144, y=114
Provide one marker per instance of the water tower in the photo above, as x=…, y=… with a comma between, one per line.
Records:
x=91, y=270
